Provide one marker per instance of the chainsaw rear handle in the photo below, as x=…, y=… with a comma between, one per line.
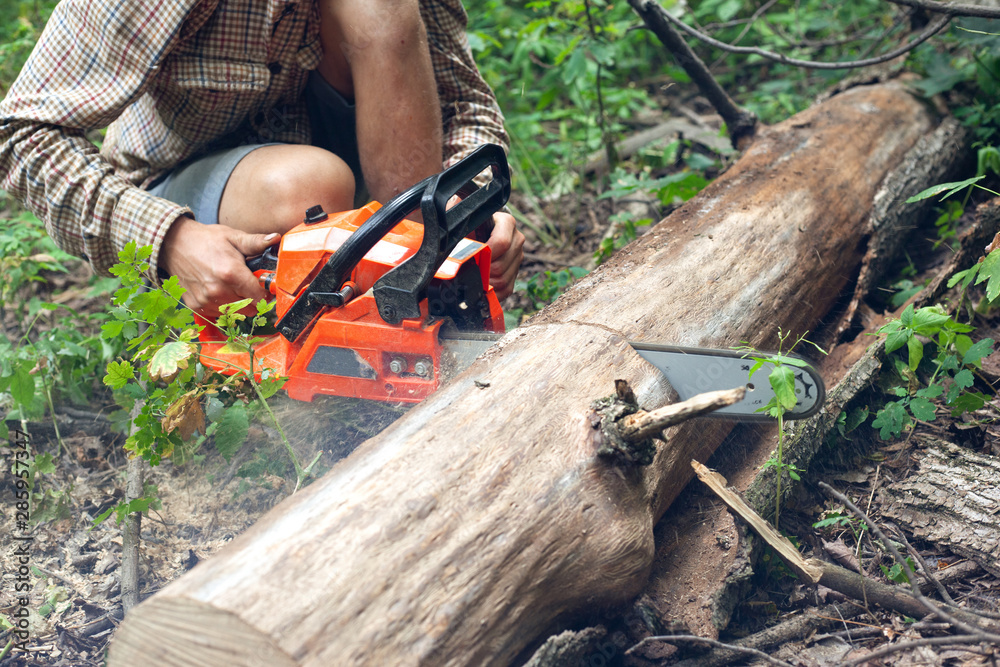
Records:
x=398, y=298
x=398, y=293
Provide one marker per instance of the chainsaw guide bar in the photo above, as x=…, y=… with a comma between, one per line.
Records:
x=689, y=370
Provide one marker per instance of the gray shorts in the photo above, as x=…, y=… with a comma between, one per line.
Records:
x=199, y=183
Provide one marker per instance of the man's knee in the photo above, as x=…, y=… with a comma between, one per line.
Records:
x=317, y=177
x=272, y=187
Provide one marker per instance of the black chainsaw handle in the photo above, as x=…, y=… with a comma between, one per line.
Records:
x=264, y=262
x=398, y=292
x=431, y=195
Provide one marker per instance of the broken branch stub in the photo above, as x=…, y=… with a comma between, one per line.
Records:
x=626, y=432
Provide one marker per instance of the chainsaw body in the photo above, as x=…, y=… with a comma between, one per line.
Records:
x=362, y=295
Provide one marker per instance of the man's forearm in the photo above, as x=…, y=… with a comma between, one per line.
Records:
x=88, y=210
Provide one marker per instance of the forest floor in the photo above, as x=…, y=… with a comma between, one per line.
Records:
x=74, y=567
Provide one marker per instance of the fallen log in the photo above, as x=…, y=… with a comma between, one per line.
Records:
x=484, y=517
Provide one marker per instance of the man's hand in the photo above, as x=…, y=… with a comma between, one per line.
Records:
x=507, y=247
x=210, y=263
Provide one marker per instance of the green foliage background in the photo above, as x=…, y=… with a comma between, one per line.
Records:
x=21, y=21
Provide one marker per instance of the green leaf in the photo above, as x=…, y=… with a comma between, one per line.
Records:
x=978, y=350
x=896, y=573
x=916, y=352
x=782, y=380
x=112, y=330
x=888, y=328
x=965, y=277
x=949, y=363
x=173, y=288
x=989, y=269
x=988, y=159
x=897, y=339
x=791, y=361
x=855, y=418
x=932, y=391
x=44, y=464
x=929, y=320
x=964, y=379
x=170, y=359
x=952, y=188
x=891, y=420
x=149, y=305
x=270, y=385
x=969, y=402
x=728, y=9
x=907, y=316
x=119, y=374
x=137, y=505
x=235, y=306
x=22, y=385
x=922, y=409
x=100, y=518
x=232, y=431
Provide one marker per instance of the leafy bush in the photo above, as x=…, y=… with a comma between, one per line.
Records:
x=556, y=66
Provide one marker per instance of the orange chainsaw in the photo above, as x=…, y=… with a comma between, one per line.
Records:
x=372, y=305
x=362, y=295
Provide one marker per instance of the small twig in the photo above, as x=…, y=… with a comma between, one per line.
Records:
x=642, y=425
x=896, y=22
x=932, y=29
x=741, y=123
x=975, y=11
x=806, y=570
x=56, y=575
x=878, y=468
x=982, y=612
x=982, y=634
x=923, y=566
x=746, y=28
x=82, y=414
x=713, y=643
x=916, y=643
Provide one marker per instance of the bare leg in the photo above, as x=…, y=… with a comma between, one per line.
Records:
x=376, y=52
x=271, y=188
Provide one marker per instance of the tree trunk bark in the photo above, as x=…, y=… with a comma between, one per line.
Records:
x=952, y=501
x=484, y=517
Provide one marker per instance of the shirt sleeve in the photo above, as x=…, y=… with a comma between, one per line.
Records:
x=92, y=61
x=469, y=109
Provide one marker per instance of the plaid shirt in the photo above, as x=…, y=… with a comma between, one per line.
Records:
x=172, y=79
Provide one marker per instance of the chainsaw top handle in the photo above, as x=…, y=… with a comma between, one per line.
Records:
x=398, y=292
